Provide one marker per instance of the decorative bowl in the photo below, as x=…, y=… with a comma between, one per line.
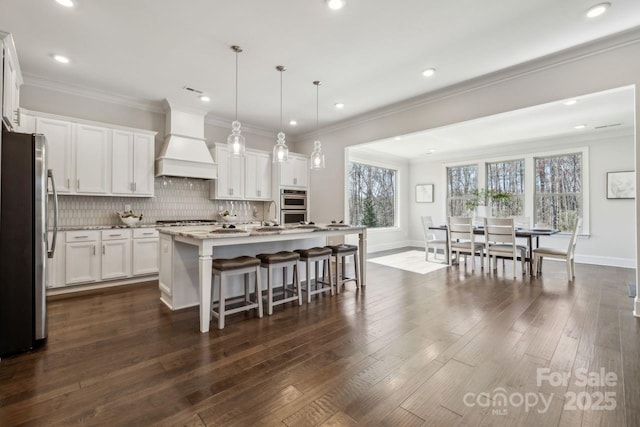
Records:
x=129, y=219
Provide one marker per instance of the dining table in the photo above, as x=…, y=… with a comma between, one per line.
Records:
x=524, y=233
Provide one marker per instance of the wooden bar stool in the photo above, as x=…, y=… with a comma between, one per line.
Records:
x=282, y=260
x=315, y=256
x=340, y=252
x=225, y=268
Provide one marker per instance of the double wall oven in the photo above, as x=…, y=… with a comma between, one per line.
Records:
x=293, y=206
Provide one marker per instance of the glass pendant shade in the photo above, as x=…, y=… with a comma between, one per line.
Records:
x=280, y=150
x=317, y=157
x=236, y=144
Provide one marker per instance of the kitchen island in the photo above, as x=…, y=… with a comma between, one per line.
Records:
x=186, y=254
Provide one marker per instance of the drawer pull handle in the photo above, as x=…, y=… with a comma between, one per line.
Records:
x=147, y=234
x=81, y=237
x=116, y=234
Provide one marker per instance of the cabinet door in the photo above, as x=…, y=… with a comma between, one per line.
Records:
x=258, y=176
x=59, y=142
x=301, y=170
x=92, y=161
x=145, y=256
x=236, y=177
x=9, y=97
x=55, y=266
x=116, y=259
x=122, y=162
x=222, y=183
x=287, y=173
x=143, y=151
x=82, y=263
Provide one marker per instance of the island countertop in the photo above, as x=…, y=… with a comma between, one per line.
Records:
x=186, y=254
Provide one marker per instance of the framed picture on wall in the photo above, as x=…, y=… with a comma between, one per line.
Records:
x=424, y=193
x=621, y=185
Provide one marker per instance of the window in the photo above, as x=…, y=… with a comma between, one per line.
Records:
x=461, y=182
x=507, y=177
x=372, y=195
x=558, y=190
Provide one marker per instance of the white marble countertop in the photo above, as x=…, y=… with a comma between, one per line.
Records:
x=100, y=227
x=218, y=232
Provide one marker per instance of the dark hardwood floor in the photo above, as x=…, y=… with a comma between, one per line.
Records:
x=441, y=349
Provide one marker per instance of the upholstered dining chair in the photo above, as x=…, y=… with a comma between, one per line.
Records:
x=500, y=241
x=462, y=240
x=430, y=239
x=568, y=255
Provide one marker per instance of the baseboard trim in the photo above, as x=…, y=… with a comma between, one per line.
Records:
x=387, y=246
x=74, y=289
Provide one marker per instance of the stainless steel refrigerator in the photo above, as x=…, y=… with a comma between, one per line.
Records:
x=24, y=247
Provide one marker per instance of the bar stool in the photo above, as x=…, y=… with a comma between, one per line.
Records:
x=340, y=252
x=315, y=256
x=226, y=268
x=282, y=260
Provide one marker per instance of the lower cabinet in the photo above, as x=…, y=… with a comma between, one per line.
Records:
x=82, y=259
x=116, y=254
x=86, y=257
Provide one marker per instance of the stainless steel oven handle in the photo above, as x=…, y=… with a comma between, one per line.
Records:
x=51, y=252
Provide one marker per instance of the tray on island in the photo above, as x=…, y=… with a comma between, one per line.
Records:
x=338, y=225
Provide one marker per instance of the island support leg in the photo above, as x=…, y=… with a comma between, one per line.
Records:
x=362, y=253
x=205, y=292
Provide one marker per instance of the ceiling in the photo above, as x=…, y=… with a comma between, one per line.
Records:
x=593, y=114
x=368, y=55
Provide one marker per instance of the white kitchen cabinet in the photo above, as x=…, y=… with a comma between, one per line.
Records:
x=11, y=82
x=92, y=158
x=55, y=266
x=257, y=176
x=146, y=251
x=116, y=254
x=231, y=175
x=82, y=263
x=132, y=163
x=294, y=172
x=59, y=134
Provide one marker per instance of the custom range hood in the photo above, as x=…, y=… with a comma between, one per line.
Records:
x=185, y=152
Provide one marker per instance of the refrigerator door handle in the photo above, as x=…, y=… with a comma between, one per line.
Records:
x=51, y=252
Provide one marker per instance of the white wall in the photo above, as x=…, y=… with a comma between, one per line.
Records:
x=611, y=221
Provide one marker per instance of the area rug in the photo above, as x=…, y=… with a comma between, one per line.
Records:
x=410, y=261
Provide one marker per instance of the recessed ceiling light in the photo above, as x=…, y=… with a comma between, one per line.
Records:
x=336, y=4
x=429, y=72
x=61, y=59
x=339, y=105
x=580, y=127
x=293, y=122
x=598, y=10
x=398, y=138
x=66, y=3
x=205, y=98
x=570, y=102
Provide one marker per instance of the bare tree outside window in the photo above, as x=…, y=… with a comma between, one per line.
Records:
x=372, y=195
x=508, y=177
x=558, y=197
x=461, y=182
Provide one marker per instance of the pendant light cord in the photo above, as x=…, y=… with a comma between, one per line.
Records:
x=317, y=108
x=236, y=85
x=281, y=99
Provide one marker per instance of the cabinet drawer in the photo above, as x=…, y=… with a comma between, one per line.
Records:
x=116, y=234
x=139, y=233
x=83, y=236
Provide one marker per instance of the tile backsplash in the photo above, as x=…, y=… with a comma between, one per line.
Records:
x=175, y=198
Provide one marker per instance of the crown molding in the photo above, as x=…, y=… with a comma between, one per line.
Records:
x=565, y=56
x=222, y=122
x=95, y=94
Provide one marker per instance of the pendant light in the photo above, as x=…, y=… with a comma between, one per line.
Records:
x=236, y=144
x=280, y=150
x=317, y=157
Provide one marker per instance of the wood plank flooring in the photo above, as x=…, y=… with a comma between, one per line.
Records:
x=439, y=349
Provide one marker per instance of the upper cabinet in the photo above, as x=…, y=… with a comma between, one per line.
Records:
x=89, y=158
x=294, y=172
x=258, y=176
x=132, y=163
x=11, y=82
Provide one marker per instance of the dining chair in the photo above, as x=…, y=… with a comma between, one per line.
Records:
x=430, y=239
x=500, y=241
x=462, y=240
x=568, y=255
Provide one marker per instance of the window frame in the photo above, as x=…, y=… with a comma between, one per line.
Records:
x=529, y=178
x=446, y=183
x=378, y=164
x=522, y=196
